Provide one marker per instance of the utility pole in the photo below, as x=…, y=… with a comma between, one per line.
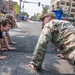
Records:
x=23, y=4
x=20, y=5
x=23, y=7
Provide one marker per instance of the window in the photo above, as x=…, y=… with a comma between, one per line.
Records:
x=73, y=10
x=73, y=4
x=61, y=7
x=10, y=7
x=65, y=15
x=68, y=3
x=72, y=15
x=4, y=6
x=0, y=7
x=62, y=2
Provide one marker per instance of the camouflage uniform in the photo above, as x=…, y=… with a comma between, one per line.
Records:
x=61, y=34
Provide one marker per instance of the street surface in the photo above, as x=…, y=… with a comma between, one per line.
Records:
x=26, y=36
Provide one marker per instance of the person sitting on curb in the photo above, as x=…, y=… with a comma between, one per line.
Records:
x=61, y=33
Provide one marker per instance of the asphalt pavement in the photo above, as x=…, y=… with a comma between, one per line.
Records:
x=26, y=36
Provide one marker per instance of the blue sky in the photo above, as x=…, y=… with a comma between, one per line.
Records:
x=33, y=8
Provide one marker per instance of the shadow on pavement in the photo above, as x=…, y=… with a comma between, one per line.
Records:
x=17, y=65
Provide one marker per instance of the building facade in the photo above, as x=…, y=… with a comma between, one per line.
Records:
x=68, y=6
x=8, y=6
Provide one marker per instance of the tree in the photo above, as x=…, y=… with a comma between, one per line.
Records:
x=25, y=14
x=16, y=8
x=45, y=10
x=33, y=17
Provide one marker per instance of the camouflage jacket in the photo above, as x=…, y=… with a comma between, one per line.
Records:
x=60, y=33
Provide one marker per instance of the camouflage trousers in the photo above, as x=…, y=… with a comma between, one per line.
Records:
x=38, y=57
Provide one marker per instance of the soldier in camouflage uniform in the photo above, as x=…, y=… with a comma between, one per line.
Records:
x=61, y=34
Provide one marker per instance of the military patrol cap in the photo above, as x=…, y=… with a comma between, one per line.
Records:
x=52, y=14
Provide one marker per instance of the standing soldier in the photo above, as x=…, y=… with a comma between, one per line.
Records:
x=61, y=34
